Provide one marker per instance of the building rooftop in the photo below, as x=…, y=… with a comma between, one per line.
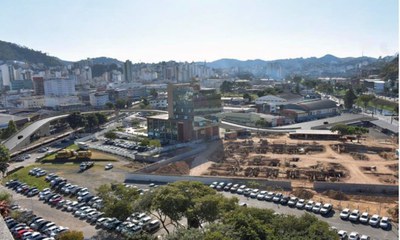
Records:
x=318, y=104
x=385, y=125
x=163, y=116
x=315, y=132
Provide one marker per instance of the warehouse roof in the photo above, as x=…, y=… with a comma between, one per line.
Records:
x=318, y=104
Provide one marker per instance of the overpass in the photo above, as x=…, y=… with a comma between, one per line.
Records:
x=22, y=138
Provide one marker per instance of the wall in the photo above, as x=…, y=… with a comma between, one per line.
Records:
x=357, y=188
x=4, y=232
x=148, y=178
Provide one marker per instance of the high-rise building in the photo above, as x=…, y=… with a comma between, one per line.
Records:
x=7, y=72
x=38, y=85
x=128, y=71
x=60, y=87
x=190, y=115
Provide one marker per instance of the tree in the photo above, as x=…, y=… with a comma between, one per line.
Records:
x=92, y=121
x=365, y=100
x=226, y=87
x=118, y=200
x=76, y=120
x=4, y=159
x=342, y=129
x=110, y=135
x=101, y=117
x=154, y=93
x=120, y=104
x=247, y=96
x=359, y=131
x=71, y=235
x=10, y=130
x=155, y=143
x=110, y=105
x=349, y=99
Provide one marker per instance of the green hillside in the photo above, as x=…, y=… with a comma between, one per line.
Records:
x=11, y=51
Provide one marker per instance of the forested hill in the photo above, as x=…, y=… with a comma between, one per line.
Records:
x=11, y=51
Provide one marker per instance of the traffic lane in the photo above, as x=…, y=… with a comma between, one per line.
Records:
x=335, y=221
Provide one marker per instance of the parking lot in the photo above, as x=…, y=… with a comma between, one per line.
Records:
x=333, y=218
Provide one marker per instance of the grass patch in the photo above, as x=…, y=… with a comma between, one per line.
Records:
x=96, y=156
x=23, y=175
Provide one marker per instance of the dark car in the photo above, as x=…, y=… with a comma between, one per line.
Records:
x=284, y=200
x=20, y=136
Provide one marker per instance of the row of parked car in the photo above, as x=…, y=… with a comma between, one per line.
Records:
x=276, y=197
x=364, y=218
x=134, y=224
x=291, y=201
x=33, y=227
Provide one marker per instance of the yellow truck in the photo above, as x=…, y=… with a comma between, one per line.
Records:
x=66, y=153
x=84, y=154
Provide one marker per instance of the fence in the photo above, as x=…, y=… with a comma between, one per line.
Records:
x=356, y=188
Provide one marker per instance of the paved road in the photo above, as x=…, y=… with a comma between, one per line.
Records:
x=374, y=233
x=13, y=142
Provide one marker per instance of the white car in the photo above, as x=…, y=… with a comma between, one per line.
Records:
x=345, y=213
x=108, y=166
x=292, y=201
x=261, y=195
x=384, y=223
x=326, y=209
x=354, y=236
x=309, y=205
x=365, y=237
x=364, y=217
x=317, y=207
x=342, y=234
x=301, y=203
x=374, y=220
x=354, y=216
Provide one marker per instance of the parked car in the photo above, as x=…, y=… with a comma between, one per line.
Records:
x=317, y=207
x=269, y=196
x=364, y=217
x=292, y=201
x=277, y=197
x=365, y=237
x=108, y=166
x=384, y=223
x=354, y=216
x=345, y=213
x=309, y=206
x=300, y=204
x=354, y=236
x=374, y=220
x=326, y=209
x=342, y=235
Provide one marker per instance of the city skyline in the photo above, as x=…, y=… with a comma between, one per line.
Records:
x=203, y=31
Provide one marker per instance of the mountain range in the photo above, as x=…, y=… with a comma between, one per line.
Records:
x=327, y=65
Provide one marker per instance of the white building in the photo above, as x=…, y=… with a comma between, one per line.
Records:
x=32, y=102
x=7, y=73
x=99, y=99
x=50, y=101
x=271, y=101
x=60, y=87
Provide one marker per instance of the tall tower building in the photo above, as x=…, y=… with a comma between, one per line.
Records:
x=128, y=71
x=38, y=85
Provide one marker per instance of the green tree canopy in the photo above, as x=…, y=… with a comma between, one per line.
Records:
x=365, y=99
x=92, y=121
x=4, y=159
x=118, y=200
x=76, y=120
x=120, y=104
x=349, y=99
x=71, y=235
x=110, y=105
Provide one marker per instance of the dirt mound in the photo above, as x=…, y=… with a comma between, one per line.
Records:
x=178, y=168
x=303, y=193
x=337, y=195
x=394, y=213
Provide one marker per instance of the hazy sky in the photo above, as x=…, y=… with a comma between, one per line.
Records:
x=189, y=30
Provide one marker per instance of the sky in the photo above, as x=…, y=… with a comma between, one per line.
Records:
x=202, y=30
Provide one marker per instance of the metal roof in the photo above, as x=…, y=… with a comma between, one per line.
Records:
x=317, y=105
x=385, y=125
